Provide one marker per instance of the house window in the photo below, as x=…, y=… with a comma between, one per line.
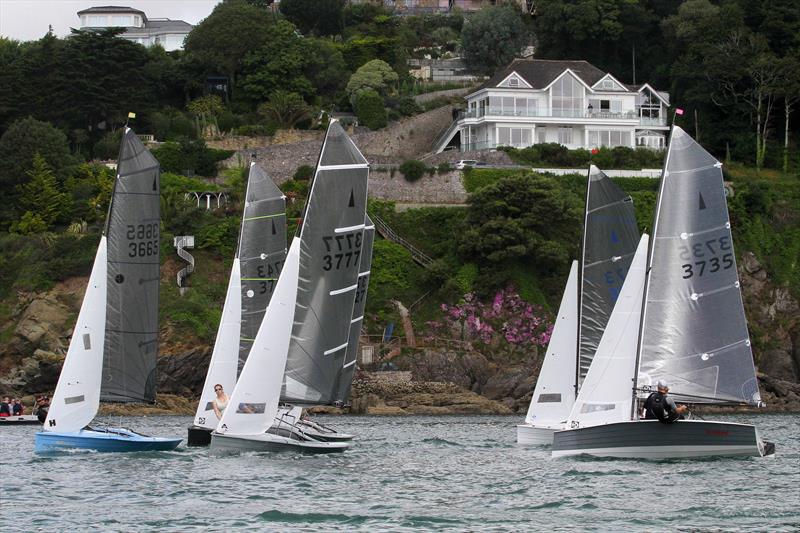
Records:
x=564, y=135
x=609, y=138
x=513, y=82
x=96, y=21
x=541, y=135
x=520, y=137
x=521, y=107
x=567, y=97
x=122, y=20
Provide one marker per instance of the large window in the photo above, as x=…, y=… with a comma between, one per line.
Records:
x=565, y=136
x=122, y=20
x=567, y=97
x=610, y=138
x=520, y=137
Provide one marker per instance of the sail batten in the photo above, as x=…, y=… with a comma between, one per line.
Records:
x=694, y=331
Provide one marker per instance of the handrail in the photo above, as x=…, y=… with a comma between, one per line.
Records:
x=388, y=233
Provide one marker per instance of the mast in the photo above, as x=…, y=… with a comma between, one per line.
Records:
x=648, y=268
x=580, y=282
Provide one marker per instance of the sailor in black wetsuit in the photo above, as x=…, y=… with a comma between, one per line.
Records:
x=659, y=406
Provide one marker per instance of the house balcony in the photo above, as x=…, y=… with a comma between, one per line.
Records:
x=492, y=113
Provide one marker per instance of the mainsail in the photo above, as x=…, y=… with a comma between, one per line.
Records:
x=610, y=237
x=694, y=332
x=331, y=241
x=262, y=250
x=345, y=377
x=132, y=231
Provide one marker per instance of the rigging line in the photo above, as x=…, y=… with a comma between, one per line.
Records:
x=610, y=259
x=725, y=226
x=248, y=219
x=612, y=204
x=709, y=292
x=715, y=165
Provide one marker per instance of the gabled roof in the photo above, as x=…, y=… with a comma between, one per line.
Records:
x=539, y=73
x=169, y=25
x=110, y=9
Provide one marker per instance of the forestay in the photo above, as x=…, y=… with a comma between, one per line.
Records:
x=133, y=228
x=606, y=394
x=261, y=252
x=694, y=331
x=254, y=402
x=555, y=388
x=610, y=237
x=331, y=236
x=77, y=395
x=345, y=377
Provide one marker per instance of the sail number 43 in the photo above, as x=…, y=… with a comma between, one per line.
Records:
x=343, y=250
x=143, y=239
x=707, y=255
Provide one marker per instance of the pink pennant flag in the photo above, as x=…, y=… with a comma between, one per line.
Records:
x=678, y=111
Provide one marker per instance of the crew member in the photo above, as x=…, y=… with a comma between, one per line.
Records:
x=661, y=407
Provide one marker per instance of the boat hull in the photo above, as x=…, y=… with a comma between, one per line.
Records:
x=265, y=442
x=198, y=436
x=531, y=435
x=19, y=420
x=651, y=439
x=111, y=440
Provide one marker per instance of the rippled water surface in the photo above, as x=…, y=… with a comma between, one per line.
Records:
x=403, y=474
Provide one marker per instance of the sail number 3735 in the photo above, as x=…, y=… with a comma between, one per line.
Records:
x=143, y=239
x=343, y=250
x=707, y=257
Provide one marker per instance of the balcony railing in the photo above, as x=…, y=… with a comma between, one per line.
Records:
x=562, y=113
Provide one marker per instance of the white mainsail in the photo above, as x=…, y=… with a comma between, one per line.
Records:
x=77, y=395
x=225, y=357
x=555, y=388
x=606, y=395
x=254, y=403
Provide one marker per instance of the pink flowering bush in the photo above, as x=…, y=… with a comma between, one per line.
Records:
x=508, y=322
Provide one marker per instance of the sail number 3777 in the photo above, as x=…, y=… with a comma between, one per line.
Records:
x=343, y=250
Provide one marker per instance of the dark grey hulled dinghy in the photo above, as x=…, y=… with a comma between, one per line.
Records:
x=259, y=257
x=692, y=329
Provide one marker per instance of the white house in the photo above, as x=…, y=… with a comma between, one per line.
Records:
x=170, y=34
x=573, y=103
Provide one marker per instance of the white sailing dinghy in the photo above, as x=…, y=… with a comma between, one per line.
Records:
x=113, y=349
x=692, y=331
x=344, y=377
x=609, y=240
x=256, y=265
x=302, y=338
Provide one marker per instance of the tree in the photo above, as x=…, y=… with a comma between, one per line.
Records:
x=206, y=109
x=493, y=37
x=41, y=195
x=523, y=217
x=285, y=109
x=322, y=17
x=222, y=40
x=25, y=138
x=279, y=63
x=326, y=69
x=370, y=110
x=376, y=76
x=789, y=88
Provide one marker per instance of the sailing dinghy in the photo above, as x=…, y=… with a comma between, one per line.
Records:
x=690, y=331
x=344, y=377
x=609, y=241
x=113, y=349
x=303, y=337
x=259, y=257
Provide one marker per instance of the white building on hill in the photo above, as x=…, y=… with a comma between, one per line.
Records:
x=170, y=34
x=573, y=103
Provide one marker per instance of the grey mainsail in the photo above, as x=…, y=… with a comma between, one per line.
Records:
x=694, y=331
x=331, y=240
x=610, y=238
x=345, y=377
x=132, y=230
x=262, y=250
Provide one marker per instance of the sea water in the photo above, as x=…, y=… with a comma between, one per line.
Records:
x=454, y=473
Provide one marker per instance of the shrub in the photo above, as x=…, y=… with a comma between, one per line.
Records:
x=412, y=170
x=445, y=167
x=407, y=106
x=370, y=110
x=189, y=156
x=303, y=173
x=257, y=130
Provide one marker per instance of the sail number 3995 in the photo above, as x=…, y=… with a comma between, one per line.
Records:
x=343, y=250
x=707, y=254
x=143, y=239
